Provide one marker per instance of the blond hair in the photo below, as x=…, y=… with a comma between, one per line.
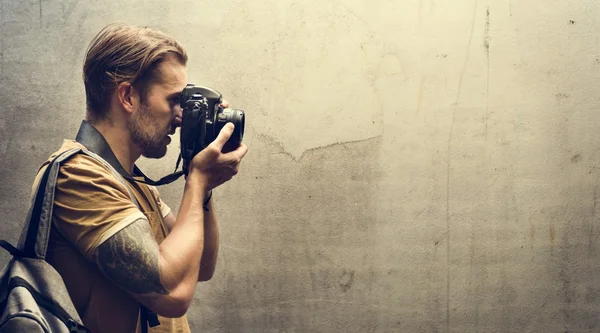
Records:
x=123, y=53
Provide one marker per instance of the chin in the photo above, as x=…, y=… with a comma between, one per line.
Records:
x=156, y=153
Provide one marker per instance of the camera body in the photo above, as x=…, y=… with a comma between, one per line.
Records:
x=202, y=120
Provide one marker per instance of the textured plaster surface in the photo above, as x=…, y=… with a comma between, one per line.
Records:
x=414, y=166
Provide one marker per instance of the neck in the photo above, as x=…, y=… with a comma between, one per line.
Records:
x=119, y=140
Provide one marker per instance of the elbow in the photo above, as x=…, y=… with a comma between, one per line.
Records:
x=175, y=304
x=206, y=273
x=205, y=276
x=175, y=311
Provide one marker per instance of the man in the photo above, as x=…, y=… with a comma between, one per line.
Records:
x=117, y=245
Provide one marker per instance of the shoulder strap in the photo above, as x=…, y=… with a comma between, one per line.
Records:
x=34, y=239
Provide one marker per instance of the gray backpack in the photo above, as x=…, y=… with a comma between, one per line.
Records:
x=33, y=296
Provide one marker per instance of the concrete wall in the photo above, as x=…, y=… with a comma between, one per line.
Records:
x=414, y=166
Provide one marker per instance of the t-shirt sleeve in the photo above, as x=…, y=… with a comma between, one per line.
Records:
x=164, y=209
x=90, y=204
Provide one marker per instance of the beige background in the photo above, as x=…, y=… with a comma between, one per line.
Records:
x=414, y=166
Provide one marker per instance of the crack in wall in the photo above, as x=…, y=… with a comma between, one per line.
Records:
x=309, y=151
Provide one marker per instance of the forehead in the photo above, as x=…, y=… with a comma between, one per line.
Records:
x=171, y=75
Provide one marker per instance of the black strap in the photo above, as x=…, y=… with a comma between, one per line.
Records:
x=11, y=249
x=93, y=140
x=147, y=318
x=143, y=319
x=168, y=179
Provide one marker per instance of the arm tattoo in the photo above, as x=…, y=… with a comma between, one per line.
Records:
x=130, y=259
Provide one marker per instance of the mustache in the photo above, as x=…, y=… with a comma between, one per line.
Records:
x=172, y=129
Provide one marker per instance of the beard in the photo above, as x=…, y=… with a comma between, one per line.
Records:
x=147, y=134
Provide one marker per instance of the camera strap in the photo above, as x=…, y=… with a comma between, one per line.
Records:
x=93, y=140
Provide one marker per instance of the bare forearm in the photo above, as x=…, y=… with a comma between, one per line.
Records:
x=132, y=259
x=208, y=262
x=210, y=250
x=162, y=277
x=183, y=247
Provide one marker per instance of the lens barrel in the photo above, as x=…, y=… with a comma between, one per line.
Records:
x=235, y=116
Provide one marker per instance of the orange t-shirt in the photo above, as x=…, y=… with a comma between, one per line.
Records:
x=90, y=206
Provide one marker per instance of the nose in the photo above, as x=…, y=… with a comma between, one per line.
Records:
x=178, y=116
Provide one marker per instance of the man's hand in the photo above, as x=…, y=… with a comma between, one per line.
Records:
x=212, y=167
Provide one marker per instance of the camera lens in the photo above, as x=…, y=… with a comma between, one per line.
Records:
x=238, y=119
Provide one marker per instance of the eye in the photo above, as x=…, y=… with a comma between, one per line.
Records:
x=174, y=101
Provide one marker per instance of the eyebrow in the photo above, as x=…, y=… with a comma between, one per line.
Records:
x=173, y=95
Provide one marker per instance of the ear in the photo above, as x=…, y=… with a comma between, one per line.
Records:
x=128, y=96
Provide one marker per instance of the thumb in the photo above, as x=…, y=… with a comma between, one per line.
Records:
x=224, y=135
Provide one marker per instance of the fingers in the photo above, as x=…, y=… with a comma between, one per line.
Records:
x=241, y=151
x=234, y=158
x=223, y=136
x=225, y=104
x=226, y=165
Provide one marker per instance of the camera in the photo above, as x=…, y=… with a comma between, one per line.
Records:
x=202, y=120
